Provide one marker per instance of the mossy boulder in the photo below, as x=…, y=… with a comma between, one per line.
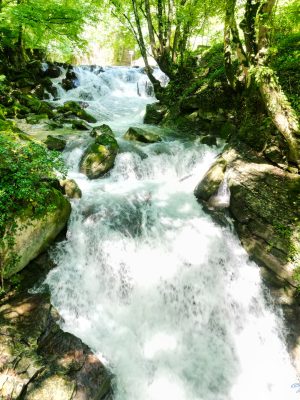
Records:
x=141, y=135
x=33, y=236
x=36, y=119
x=72, y=108
x=154, y=113
x=99, y=157
x=101, y=129
x=55, y=143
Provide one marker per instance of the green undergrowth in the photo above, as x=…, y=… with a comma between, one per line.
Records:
x=285, y=60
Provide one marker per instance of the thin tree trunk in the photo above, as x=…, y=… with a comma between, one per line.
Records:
x=276, y=103
x=141, y=42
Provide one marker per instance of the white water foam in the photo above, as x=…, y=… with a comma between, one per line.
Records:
x=167, y=298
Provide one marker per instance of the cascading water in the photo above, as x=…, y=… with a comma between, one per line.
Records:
x=166, y=297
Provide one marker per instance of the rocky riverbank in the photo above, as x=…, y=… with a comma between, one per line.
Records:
x=38, y=360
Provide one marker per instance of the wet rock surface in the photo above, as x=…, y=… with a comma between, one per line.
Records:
x=265, y=204
x=38, y=361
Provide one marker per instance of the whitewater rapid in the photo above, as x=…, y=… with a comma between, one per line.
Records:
x=167, y=298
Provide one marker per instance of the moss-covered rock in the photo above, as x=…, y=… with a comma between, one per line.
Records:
x=154, y=113
x=36, y=119
x=141, y=135
x=101, y=129
x=33, y=236
x=99, y=157
x=72, y=108
x=55, y=143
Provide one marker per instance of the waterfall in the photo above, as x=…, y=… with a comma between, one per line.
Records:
x=167, y=298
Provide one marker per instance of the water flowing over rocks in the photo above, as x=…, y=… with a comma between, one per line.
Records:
x=264, y=201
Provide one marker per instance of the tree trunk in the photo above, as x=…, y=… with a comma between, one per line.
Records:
x=276, y=103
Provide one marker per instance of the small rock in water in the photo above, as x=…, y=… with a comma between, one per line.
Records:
x=141, y=135
x=71, y=189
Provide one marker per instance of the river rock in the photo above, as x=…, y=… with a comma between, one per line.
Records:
x=211, y=181
x=55, y=143
x=209, y=140
x=154, y=113
x=99, y=130
x=99, y=157
x=38, y=361
x=141, y=135
x=70, y=81
x=52, y=71
x=33, y=236
x=71, y=108
x=70, y=188
x=78, y=124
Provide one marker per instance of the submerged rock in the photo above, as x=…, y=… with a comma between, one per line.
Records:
x=141, y=135
x=33, y=236
x=99, y=157
x=38, y=361
x=55, y=143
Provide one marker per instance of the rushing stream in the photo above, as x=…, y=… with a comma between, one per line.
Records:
x=167, y=298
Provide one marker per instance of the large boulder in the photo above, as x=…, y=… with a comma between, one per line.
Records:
x=99, y=157
x=33, y=236
x=154, y=113
x=141, y=135
x=38, y=361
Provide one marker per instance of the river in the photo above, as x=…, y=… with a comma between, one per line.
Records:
x=167, y=298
